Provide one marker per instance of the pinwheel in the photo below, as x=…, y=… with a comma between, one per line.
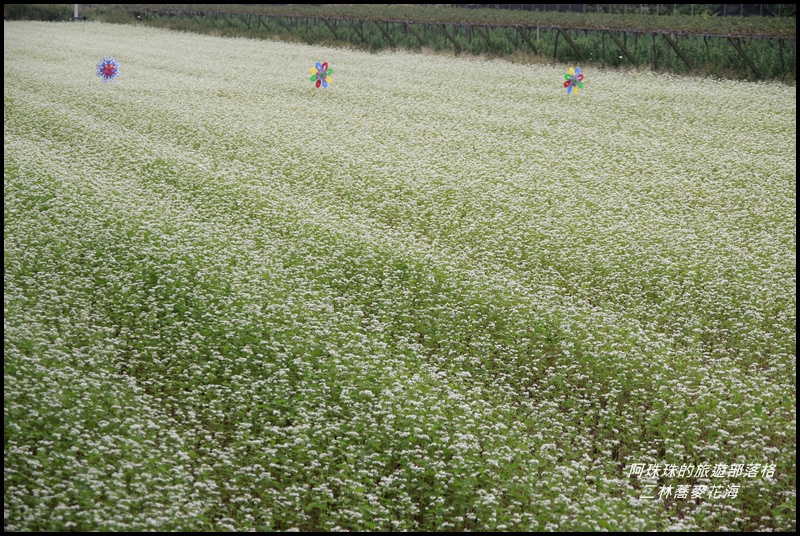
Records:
x=574, y=80
x=321, y=74
x=108, y=69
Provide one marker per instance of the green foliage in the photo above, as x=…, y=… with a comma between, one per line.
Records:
x=439, y=295
x=620, y=19
x=110, y=13
x=708, y=55
x=45, y=12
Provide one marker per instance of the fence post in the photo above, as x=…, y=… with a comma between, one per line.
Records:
x=484, y=35
x=419, y=38
x=675, y=46
x=555, y=50
x=574, y=46
x=385, y=34
x=655, y=56
x=450, y=37
x=527, y=40
x=356, y=29
x=744, y=56
x=328, y=24
x=622, y=48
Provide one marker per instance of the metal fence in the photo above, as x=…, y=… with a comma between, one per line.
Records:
x=764, y=56
x=729, y=10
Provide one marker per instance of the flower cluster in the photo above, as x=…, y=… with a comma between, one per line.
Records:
x=432, y=314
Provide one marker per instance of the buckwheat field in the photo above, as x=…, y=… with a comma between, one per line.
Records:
x=440, y=295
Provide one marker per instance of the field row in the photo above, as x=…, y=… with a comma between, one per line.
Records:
x=439, y=295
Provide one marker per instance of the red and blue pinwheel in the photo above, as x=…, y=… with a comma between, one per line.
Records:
x=108, y=69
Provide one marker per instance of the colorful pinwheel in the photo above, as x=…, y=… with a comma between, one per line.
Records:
x=321, y=74
x=574, y=80
x=108, y=69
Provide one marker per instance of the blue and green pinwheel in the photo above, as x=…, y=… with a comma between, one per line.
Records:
x=574, y=80
x=321, y=74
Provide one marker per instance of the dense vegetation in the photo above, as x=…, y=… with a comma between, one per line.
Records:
x=701, y=23
x=441, y=294
x=706, y=45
